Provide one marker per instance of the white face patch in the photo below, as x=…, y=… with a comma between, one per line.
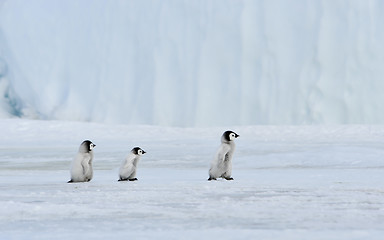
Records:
x=91, y=146
x=140, y=152
x=232, y=136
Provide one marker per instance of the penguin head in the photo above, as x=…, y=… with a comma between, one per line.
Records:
x=91, y=146
x=87, y=146
x=138, y=151
x=229, y=136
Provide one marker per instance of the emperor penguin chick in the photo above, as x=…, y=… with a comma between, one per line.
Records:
x=81, y=170
x=128, y=167
x=221, y=165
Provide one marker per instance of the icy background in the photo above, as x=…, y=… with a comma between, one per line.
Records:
x=193, y=63
x=168, y=76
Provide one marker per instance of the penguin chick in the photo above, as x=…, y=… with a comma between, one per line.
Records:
x=81, y=170
x=221, y=165
x=128, y=167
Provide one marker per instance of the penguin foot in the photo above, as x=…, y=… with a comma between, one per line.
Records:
x=122, y=179
x=70, y=181
x=133, y=179
x=211, y=178
x=229, y=178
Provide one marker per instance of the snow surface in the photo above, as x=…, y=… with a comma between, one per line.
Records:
x=290, y=183
x=177, y=63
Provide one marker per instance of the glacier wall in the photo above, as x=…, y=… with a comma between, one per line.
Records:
x=193, y=63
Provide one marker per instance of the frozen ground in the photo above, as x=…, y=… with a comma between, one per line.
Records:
x=290, y=183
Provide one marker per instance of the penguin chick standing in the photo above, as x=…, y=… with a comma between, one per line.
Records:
x=129, y=165
x=81, y=170
x=221, y=165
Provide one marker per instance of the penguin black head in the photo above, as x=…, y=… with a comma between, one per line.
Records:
x=230, y=135
x=138, y=151
x=87, y=146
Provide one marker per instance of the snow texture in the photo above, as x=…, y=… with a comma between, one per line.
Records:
x=193, y=63
x=290, y=183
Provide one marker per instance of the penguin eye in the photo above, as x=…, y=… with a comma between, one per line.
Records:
x=140, y=152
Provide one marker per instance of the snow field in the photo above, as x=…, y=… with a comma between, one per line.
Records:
x=290, y=183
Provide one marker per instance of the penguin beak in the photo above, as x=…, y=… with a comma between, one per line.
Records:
x=237, y=135
x=144, y=152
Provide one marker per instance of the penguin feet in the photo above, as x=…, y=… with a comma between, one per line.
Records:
x=70, y=181
x=127, y=179
x=229, y=178
x=211, y=178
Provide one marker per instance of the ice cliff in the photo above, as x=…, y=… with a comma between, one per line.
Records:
x=193, y=63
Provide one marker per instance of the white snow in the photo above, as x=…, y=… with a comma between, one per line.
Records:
x=176, y=63
x=300, y=182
